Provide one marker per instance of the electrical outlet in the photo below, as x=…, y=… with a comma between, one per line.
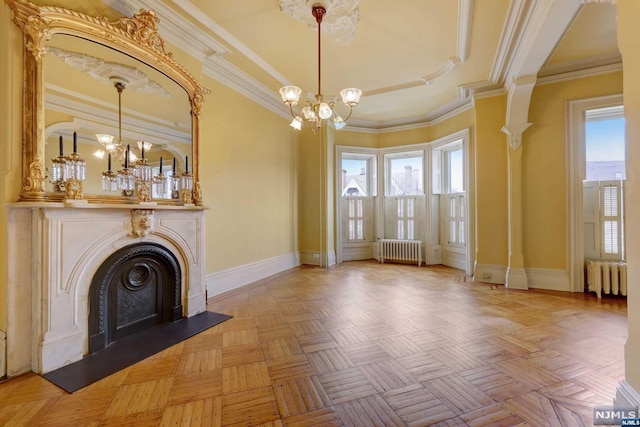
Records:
x=316, y=256
x=486, y=276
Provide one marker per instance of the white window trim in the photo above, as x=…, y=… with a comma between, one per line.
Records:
x=468, y=147
x=575, y=136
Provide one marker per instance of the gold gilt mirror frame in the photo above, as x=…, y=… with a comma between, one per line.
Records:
x=136, y=37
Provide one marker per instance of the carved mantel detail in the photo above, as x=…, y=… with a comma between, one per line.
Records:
x=141, y=222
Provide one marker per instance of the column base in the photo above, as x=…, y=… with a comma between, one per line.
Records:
x=626, y=396
x=516, y=279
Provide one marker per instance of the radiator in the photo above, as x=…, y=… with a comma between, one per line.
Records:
x=400, y=250
x=607, y=277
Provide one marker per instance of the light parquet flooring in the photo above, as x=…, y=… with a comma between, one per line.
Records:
x=362, y=344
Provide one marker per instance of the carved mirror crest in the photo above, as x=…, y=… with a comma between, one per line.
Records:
x=86, y=76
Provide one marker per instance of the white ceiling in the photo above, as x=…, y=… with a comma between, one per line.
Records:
x=416, y=61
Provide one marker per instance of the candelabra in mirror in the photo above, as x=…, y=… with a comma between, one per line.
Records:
x=58, y=169
x=160, y=182
x=143, y=179
x=186, y=185
x=69, y=172
x=126, y=176
x=174, y=181
x=109, y=178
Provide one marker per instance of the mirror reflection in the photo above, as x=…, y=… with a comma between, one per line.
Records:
x=102, y=102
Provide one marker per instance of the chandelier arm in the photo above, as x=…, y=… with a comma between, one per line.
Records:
x=291, y=110
x=349, y=115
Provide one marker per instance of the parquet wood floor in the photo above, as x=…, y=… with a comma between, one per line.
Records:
x=362, y=344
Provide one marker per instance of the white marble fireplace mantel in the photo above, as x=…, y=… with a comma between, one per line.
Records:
x=54, y=250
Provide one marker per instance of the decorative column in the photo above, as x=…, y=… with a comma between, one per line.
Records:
x=516, y=275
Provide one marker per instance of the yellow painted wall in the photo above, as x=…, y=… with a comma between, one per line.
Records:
x=10, y=134
x=356, y=139
x=453, y=124
x=629, y=44
x=249, y=180
x=311, y=191
x=491, y=181
x=544, y=167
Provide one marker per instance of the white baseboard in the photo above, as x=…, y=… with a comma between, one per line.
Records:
x=233, y=278
x=517, y=279
x=490, y=273
x=626, y=396
x=549, y=279
x=331, y=258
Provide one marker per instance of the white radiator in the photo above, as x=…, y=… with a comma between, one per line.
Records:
x=607, y=277
x=400, y=250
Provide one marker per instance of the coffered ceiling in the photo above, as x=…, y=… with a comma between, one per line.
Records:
x=416, y=61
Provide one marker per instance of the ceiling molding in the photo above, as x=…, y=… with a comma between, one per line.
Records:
x=450, y=65
x=104, y=115
x=465, y=23
x=104, y=71
x=581, y=64
x=339, y=22
x=588, y=72
x=236, y=79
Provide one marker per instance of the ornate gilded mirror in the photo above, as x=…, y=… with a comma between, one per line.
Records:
x=94, y=88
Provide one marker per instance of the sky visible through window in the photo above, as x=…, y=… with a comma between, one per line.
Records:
x=605, y=140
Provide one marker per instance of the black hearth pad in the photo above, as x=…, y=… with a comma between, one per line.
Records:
x=131, y=349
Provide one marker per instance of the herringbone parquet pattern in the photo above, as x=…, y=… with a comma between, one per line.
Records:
x=362, y=344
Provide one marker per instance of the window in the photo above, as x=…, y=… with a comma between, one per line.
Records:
x=405, y=174
x=405, y=195
x=448, y=168
x=605, y=171
x=356, y=179
x=605, y=144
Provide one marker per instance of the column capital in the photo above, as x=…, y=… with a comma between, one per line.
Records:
x=514, y=133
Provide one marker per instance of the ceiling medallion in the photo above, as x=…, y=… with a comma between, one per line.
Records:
x=339, y=22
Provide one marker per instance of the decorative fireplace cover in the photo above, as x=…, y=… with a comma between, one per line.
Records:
x=135, y=288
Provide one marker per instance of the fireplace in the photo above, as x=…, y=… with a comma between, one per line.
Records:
x=136, y=288
x=81, y=276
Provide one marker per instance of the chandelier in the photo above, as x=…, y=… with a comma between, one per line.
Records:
x=111, y=145
x=314, y=113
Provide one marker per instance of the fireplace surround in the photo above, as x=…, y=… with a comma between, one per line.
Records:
x=56, y=251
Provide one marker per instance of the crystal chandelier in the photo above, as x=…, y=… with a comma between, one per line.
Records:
x=315, y=113
x=111, y=145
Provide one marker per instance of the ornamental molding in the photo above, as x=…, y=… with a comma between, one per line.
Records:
x=102, y=71
x=514, y=133
x=338, y=23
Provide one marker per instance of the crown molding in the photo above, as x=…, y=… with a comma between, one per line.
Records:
x=589, y=72
x=584, y=64
x=103, y=114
